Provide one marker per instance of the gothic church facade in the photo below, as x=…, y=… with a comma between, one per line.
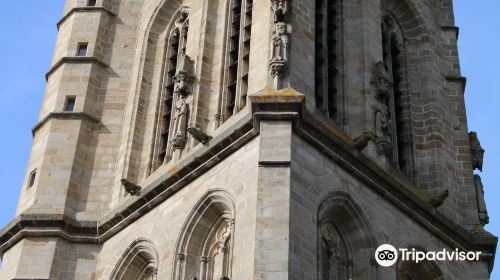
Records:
x=250, y=139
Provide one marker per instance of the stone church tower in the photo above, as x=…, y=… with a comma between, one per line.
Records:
x=250, y=139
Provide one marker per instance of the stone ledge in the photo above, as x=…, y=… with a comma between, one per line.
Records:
x=455, y=29
x=74, y=60
x=64, y=115
x=83, y=10
x=457, y=79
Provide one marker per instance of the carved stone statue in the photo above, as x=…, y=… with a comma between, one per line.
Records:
x=280, y=8
x=181, y=108
x=382, y=82
x=330, y=238
x=279, y=55
x=180, y=123
x=384, y=132
x=484, y=219
x=477, y=151
x=280, y=42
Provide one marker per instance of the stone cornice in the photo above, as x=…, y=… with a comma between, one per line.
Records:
x=457, y=79
x=63, y=115
x=83, y=10
x=332, y=142
x=74, y=60
x=455, y=29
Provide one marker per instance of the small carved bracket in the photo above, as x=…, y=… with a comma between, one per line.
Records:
x=437, y=201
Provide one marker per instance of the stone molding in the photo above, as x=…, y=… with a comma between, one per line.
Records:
x=64, y=115
x=74, y=60
x=332, y=142
x=83, y=10
x=457, y=79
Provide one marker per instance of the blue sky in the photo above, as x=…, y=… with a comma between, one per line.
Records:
x=28, y=35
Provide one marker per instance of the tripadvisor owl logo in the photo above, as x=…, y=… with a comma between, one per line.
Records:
x=387, y=255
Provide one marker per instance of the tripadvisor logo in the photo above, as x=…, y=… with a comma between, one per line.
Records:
x=387, y=255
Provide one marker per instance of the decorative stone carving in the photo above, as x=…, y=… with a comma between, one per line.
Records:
x=383, y=132
x=280, y=42
x=382, y=82
x=279, y=56
x=477, y=151
x=280, y=9
x=330, y=238
x=362, y=141
x=130, y=187
x=199, y=135
x=181, y=108
x=484, y=219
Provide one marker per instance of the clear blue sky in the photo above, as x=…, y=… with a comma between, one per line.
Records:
x=28, y=35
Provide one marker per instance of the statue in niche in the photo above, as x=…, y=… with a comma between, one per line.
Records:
x=280, y=8
x=181, y=109
x=334, y=263
x=279, y=55
x=221, y=255
x=383, y=132
x=382, y=82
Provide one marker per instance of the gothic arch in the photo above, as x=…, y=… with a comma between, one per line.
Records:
x=345, y=239
x=148, y=74
x=138, y=262
x=205, y=244
x=407, y=14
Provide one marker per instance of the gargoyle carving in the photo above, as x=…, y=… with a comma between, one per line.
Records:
x=477, y=151
x=130, y=187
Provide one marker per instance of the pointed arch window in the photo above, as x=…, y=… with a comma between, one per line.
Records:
x=398, y=99
x=344, y=240
x=237, y=58
x=204, y=248
x=176, y=50
x=139, y=262
x=334, y=263
x=328, y=47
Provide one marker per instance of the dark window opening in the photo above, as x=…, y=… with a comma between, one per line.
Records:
x=32, y=178
x=91, y=3
x=82, y=49
x=398, y=102
x=69, y=105
x=326, y=44
x=238, y=56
